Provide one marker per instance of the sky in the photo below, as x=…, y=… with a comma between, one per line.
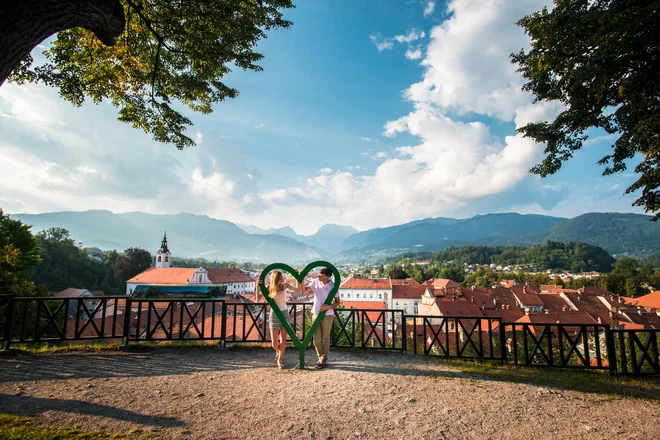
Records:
x=368, y=113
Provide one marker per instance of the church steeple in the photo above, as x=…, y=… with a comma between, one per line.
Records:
x=163, y=245
x=163, y=255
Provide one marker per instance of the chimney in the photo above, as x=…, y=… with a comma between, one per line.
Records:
x=472, y=300
x=524, y=289
x=621, y=301
x=473, y=287
x=495, y=302
x=600, y=321
x=563, y=308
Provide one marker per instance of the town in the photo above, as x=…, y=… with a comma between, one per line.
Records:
x=434, y=298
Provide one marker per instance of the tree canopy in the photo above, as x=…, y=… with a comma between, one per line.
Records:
x=19, y=253
x=143, y=56
x=601, y=61
x=133, y=262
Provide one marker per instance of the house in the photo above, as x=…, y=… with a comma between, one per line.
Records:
x=236, y=280
x=406, y=297
x=72, y=294
x=366, y=289
x=432, y=305
x=527, y=299
x=553, y=303
x=590, y=304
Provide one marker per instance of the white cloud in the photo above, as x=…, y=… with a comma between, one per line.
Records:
x=459, y=163
x=457, y=166
x=603, y=138
x=199, y=137
x=414, y=54
x=381, y=43
x=412, y=36
x=429, y=8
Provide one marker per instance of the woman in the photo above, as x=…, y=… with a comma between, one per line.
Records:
x=276, y=289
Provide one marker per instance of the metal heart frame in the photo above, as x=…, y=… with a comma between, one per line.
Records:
x=300, y=345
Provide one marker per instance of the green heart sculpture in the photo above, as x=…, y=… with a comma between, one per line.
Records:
x=300, y=345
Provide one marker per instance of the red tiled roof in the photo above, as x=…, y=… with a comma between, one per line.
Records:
x=164, y=275
x=560, y=317
x=408, y=292
x=590, y=304
x=457, y=308
x=481, y=298
x=405, y=282
x=363, y=305
x=595, y=290
x=553, y=302
x=511, y=315
x=524, y=289
x=528, y=299
x=439, y=283
x=649, y=320
x=373, y=316
x=366, y=283
x=70, y=293
x=224, y=275
x=504, y=296
x=651, y=300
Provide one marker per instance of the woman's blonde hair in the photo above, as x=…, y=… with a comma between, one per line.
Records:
x=275, y=281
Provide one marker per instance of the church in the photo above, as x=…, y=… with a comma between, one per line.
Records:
x=181, y=281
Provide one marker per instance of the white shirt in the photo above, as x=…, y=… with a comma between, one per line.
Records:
x=321, y=292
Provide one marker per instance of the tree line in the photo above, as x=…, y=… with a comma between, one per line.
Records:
x=51, y=261
x=624, y=276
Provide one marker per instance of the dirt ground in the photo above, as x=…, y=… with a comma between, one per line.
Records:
x=237, y=393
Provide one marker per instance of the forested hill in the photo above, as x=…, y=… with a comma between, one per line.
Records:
x=575, y=257
x=619, y=234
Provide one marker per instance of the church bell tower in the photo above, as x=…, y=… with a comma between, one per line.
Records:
x=163, y=255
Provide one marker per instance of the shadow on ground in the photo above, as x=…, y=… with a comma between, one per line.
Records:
x=34, y=406
x=166, y=361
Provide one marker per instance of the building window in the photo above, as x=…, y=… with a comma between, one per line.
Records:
x=199, y=278
x=371, y=295
x=167, y=258
x=159, y=257
x=380, y=295
x=397, y=303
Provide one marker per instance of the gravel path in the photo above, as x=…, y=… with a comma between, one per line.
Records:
x=237, y=393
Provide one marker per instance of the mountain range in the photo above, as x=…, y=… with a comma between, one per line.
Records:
x=192, y=235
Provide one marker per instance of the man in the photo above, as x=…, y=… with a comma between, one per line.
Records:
x=321, y=287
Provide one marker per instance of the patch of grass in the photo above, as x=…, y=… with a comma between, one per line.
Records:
x=26, y=428
x=587, y=381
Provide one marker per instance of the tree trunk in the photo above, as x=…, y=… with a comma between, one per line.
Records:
x=26, y=23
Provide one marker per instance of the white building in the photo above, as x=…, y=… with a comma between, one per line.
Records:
x=366, y=289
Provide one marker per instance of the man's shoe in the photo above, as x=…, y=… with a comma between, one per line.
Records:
x=318, y=366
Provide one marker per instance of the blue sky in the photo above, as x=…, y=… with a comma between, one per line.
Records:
x=367, y=113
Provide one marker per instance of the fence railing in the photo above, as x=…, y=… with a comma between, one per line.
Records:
x=131, y=320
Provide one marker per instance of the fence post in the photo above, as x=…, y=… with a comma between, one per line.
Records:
x=404, y=334
x=611, y=350
x=127, y=322
x=9, y=324
x=223, y=325
x=503, y=351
